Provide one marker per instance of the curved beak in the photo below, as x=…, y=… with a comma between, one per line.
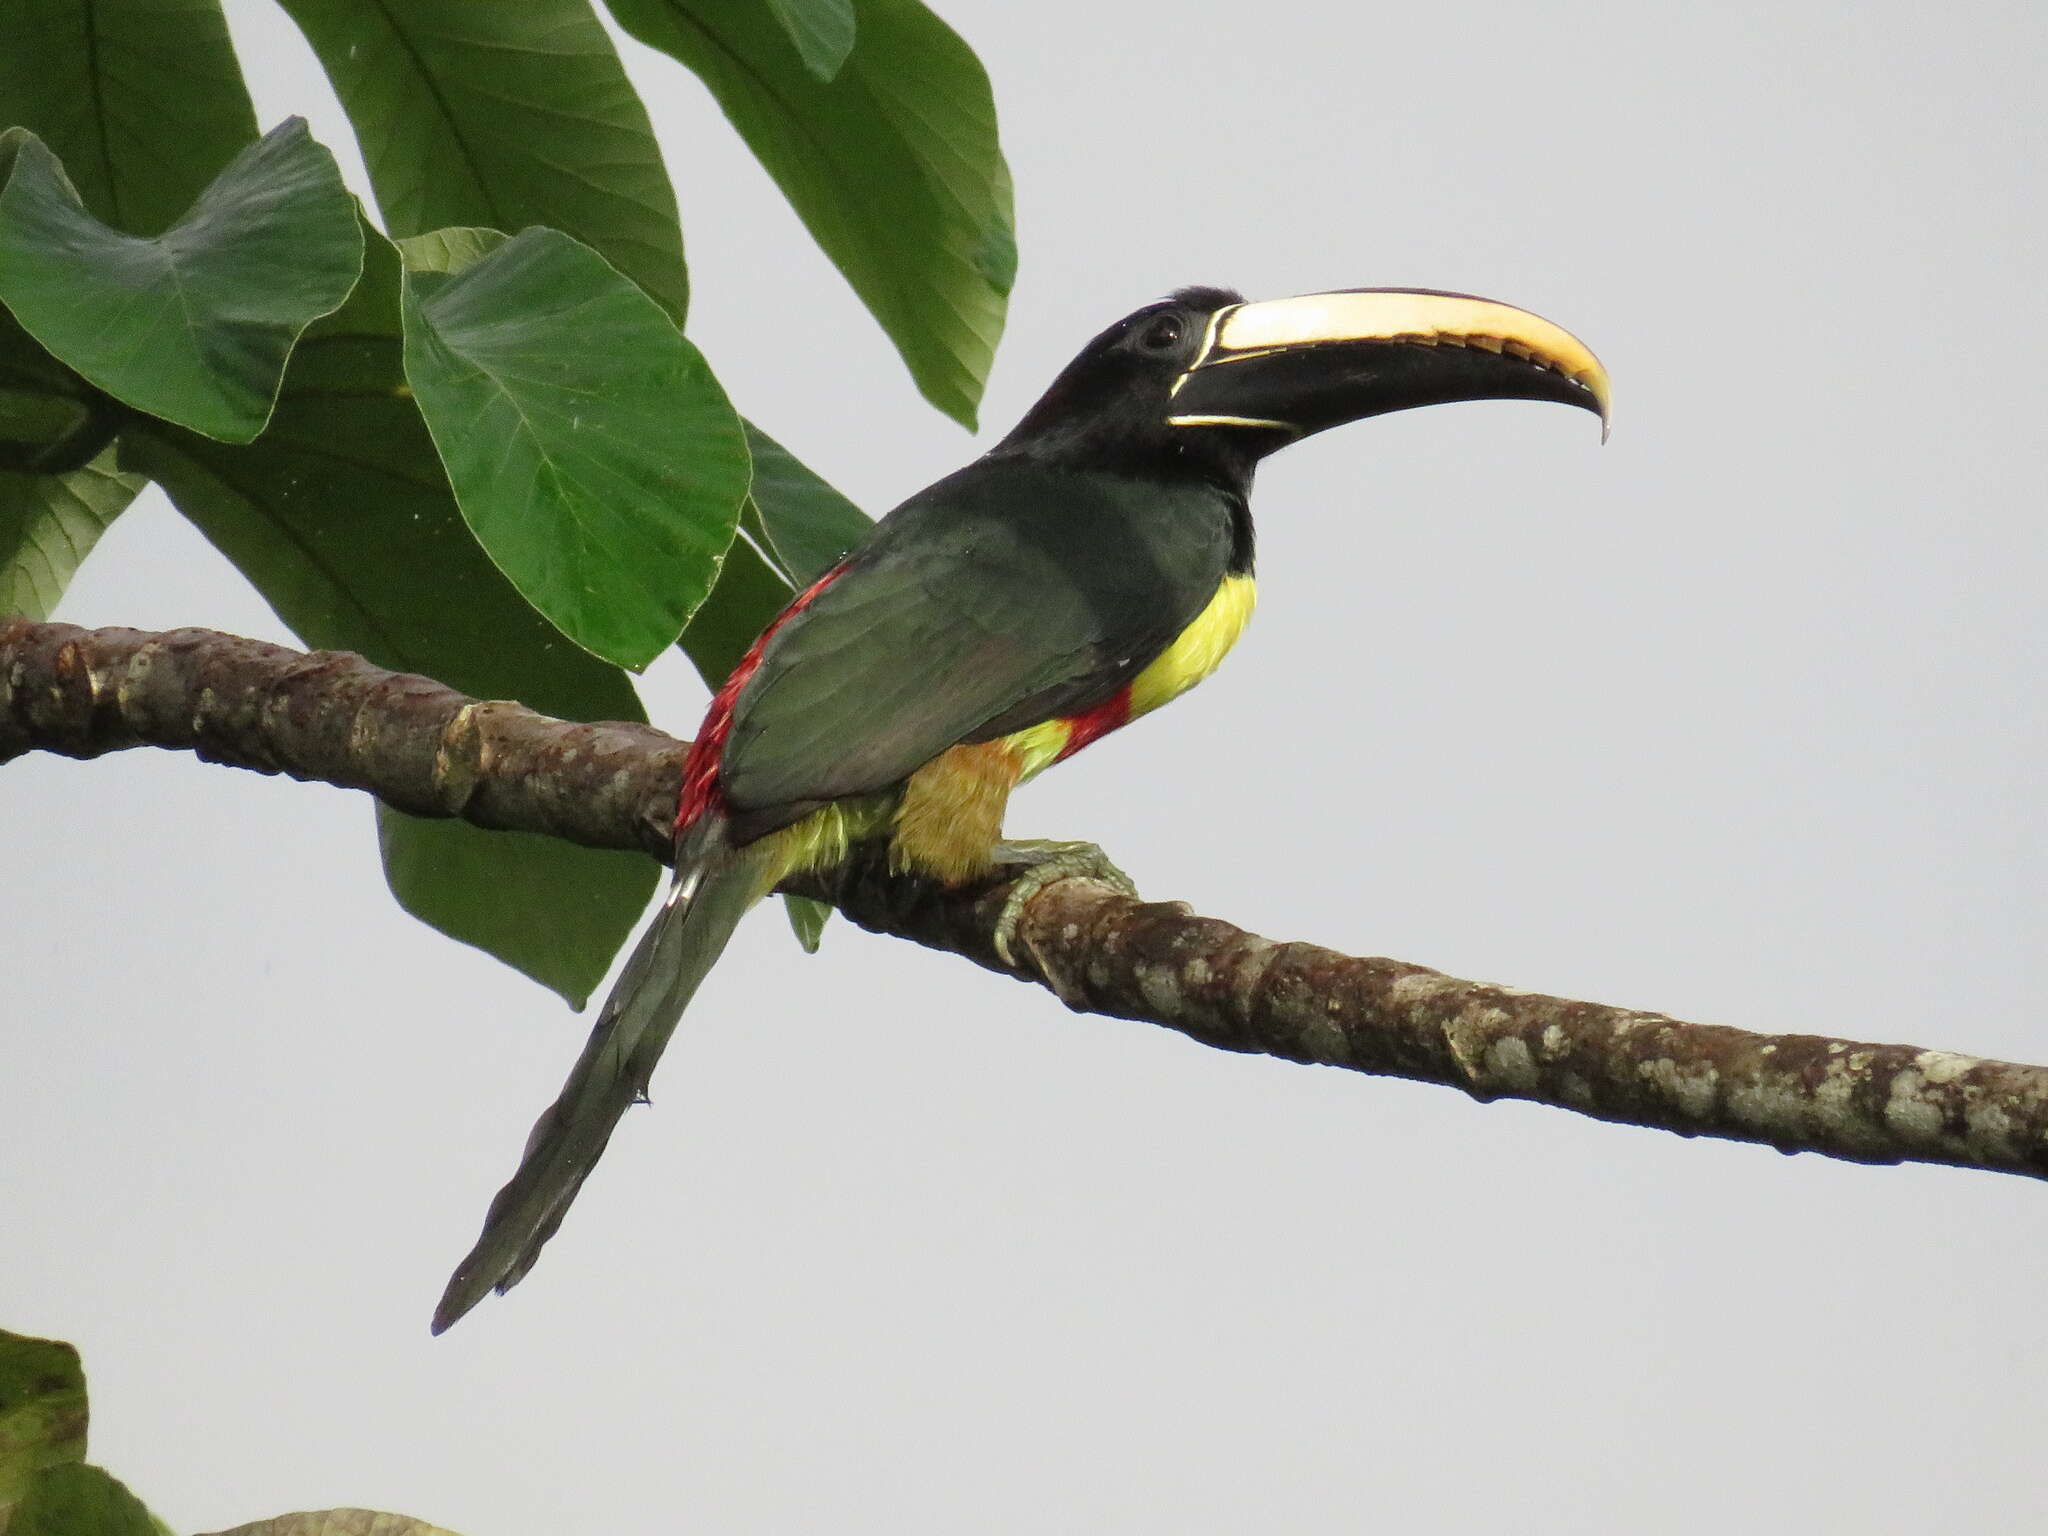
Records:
x=1304, y=364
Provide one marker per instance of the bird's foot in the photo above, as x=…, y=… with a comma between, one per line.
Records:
x=1042, y=863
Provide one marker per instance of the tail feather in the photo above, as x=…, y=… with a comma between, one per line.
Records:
x=713, y=888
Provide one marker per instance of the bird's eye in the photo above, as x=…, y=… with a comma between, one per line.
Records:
x=1162, y=335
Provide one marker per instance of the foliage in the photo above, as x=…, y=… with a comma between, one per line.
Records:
x=48, y=1489
x=473, y=442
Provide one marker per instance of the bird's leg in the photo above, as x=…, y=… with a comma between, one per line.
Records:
x=1037, y=864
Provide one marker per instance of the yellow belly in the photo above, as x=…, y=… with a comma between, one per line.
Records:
x=952, y=809
x=1199, y=649
x=1196, y=652
x=950, y=813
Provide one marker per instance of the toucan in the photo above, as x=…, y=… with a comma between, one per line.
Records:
x=1093, y=565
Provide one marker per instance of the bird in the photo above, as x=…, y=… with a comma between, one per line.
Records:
x=1092, y=566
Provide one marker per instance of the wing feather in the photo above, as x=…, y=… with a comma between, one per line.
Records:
x=1004, y=595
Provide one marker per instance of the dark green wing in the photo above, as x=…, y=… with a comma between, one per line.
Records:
x=1005, y=594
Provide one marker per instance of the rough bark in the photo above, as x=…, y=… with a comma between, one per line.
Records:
x=428, y=750
x=332, y=717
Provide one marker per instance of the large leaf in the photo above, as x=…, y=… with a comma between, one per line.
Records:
x=555, y=911
x=821, y=29
x=892, y=164
x=82, y=1501
x=51, y=420
x=143, y=102
x=809, y=526
x=48, y=524
x=503, y=115
x=42, y=1412
x=589, y=446
x=341, y=517
x=749, y=593
x=194, y=325
x=338, y=1522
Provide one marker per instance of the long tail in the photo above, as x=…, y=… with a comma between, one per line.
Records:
x=714, y=886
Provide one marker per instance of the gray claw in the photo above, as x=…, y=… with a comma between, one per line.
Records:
x=1047, y=863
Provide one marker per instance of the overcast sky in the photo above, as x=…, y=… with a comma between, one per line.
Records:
x=1739, y=717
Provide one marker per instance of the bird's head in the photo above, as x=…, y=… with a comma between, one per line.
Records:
x=1205, y=383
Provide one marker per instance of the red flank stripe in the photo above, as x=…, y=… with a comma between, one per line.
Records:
x=1097, y=722
x=700, y=769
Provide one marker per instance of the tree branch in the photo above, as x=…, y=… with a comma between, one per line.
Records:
x=331, y=717
x=428, y=750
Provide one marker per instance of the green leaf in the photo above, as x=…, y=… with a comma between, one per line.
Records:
x=809, y=526
x=893, y=166
x=143, y=103
x=338, y=1522
x=545, y=907
x=31, y=421
x=503, y=115
x=821, y=29
x=451, y=250
x=341, y=517
x=42, y=1412
x=589, y=446
x=807, y=920
x=49, y=524
x=82, y=1501
x=51, y=420
x=749, y=593
x=193, y=326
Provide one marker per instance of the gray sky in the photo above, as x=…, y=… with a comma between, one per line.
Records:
x=1738, y=718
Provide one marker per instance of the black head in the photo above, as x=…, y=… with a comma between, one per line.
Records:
x=1109, y=407
x=1203, y=385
